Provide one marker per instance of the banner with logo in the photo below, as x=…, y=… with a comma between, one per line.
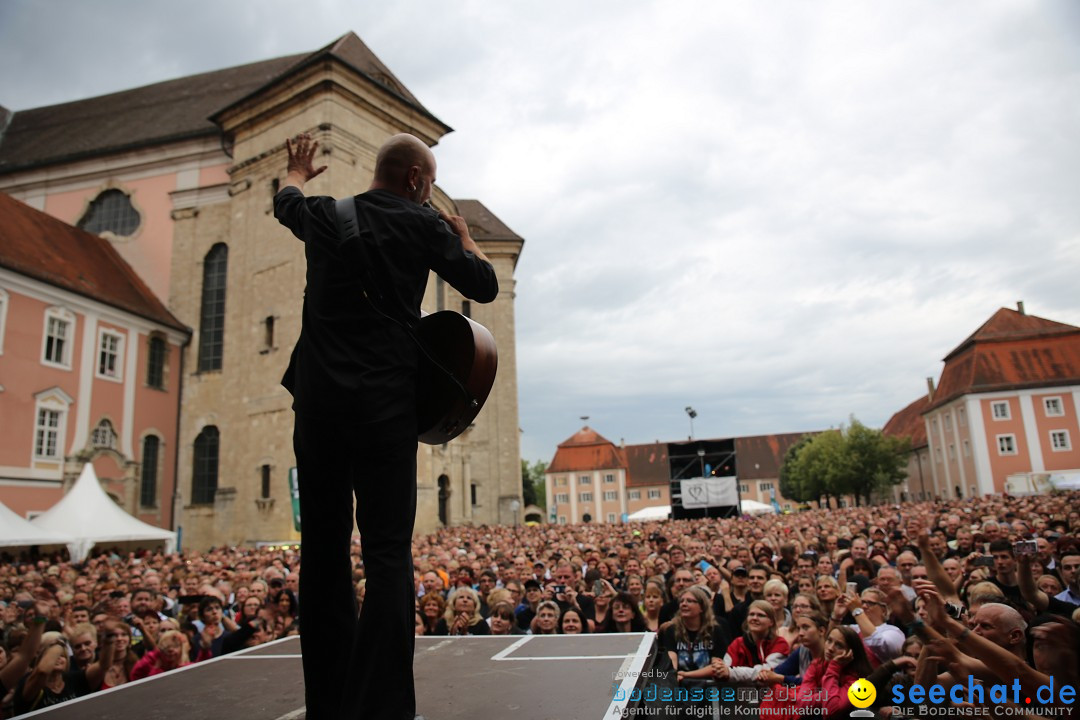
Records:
x=709, y=492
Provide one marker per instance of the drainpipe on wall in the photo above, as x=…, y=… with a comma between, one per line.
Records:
x=176, y=453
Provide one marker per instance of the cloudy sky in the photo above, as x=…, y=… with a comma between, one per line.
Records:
x=779, y=213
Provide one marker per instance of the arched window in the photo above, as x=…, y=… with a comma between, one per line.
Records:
x=103, y=436
x=205, y=470
x=444, y=497
x=151, y=451
x=111, y=211
x=212, y=315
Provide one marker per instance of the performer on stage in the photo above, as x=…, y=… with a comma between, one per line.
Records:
x=353, y=380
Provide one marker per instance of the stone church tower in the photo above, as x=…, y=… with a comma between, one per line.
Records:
x=236, y=277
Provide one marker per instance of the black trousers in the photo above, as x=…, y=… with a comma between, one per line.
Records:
x=357, y=667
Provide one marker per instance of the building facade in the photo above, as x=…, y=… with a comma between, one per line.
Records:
x=590, y=479
x=185, y=172
x=1003, y=416
x=919, y=482
x=89, y=370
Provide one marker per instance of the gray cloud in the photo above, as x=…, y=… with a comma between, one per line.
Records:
x=780, y=216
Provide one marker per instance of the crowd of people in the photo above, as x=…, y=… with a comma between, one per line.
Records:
x=955, y=592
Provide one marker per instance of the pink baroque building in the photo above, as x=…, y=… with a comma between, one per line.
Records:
x=1003, y=416
x=89, y=370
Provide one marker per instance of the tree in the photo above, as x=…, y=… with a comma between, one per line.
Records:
x=533, y=491
x=856, y=460
x=877, y=461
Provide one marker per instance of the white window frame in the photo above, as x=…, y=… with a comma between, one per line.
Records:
x=610, y=495
x=952, y=451
x=57, y=401
x=585, y=497
x=948, y=422
x=633, y=494
x=64, y=316
x=763, y=486
x=584, y=480
x=106, y=335
x=1047, y=404
x=654, y=494
x=1000, y=404
x=47, y=434
x=562, y=519
x=1002, y=440
x=1065, y=443
x=967, y=449
x=609, y=478
x=5, y=301
x=562, y=498
x=744, y=488
x=611, y=518
x=961, y=417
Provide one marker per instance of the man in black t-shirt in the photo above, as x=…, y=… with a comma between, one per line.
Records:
x=1005, y=571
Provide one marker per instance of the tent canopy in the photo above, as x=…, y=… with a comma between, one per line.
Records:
x=90, y=517
x=16, y=531
x=1065, y=481
x=753, y=507
x=657, y=512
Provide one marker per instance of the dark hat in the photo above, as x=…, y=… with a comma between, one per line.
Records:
x=532, y=584
x=740, y=571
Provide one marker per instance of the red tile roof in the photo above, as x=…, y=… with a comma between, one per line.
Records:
x=40, y=246
x=586, y=450
x=1011, y=351
x=647, y=464
x=759, y=457
x=909, y=423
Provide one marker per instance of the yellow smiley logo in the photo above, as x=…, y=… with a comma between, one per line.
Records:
x=862, y=693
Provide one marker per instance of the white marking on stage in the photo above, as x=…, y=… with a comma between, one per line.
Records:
x=630, y=675
x=511, y=648
x=437, y=646
x=297, y=713
x=564, y=657
x=266, y=657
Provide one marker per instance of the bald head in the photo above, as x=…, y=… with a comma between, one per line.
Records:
x=405, y=166
x=1001, y=625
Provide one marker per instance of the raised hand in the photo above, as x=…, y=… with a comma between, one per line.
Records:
x=301, y=151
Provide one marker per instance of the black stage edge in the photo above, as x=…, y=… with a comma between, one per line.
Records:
x=530, y=677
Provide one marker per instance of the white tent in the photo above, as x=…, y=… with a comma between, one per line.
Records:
x=91, y=517
x=1065, y=481
x=16, y=531
x=657, y=512
x=753, y=507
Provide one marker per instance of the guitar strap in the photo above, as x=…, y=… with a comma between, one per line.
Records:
x=348, y=227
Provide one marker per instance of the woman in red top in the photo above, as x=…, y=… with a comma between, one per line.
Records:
x=826, y=681
x=760, y=647
x=172, y=652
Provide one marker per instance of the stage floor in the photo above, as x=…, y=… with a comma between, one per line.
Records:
x=545, y=677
